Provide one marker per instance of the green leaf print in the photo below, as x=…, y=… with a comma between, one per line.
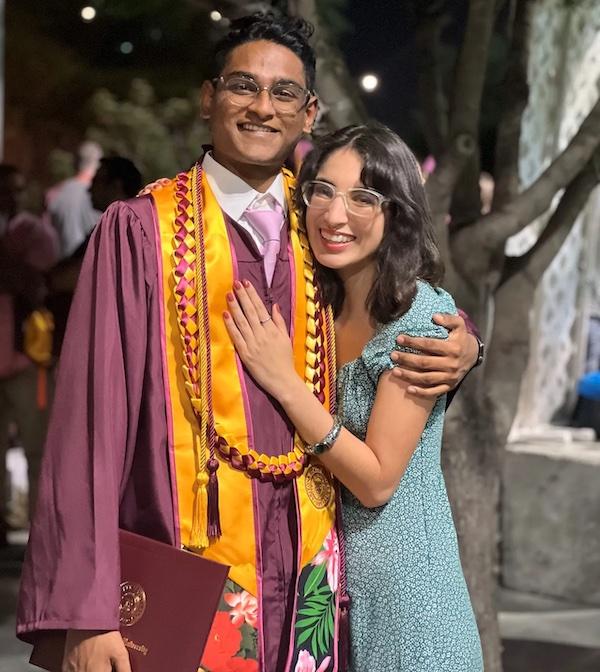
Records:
x=318, y=611
x=314, y=579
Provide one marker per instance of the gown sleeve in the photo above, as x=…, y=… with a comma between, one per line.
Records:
x=71, y=572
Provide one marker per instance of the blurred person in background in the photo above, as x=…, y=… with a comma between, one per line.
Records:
x=69, y=203
x=116, y=179
x=28, y=247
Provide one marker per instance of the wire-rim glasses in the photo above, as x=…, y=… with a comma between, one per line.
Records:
x=285, y=96
x=359, y=201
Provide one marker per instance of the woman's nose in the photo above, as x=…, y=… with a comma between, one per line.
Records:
x=336, y=212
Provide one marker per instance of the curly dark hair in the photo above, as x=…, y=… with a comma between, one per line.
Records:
x=293, y=33
x=408, y=250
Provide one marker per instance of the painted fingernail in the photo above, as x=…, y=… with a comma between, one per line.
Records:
x=246, y=283
x=226, y=315
x=237, y=284
x=230, y=296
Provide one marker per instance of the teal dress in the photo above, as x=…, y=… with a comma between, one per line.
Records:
x=410, y=608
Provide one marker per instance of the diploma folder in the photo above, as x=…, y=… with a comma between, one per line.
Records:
x=169, y=598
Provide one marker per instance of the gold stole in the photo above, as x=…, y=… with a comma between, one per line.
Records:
x=236, y=546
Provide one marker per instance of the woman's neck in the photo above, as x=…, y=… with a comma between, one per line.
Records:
x=357, y=283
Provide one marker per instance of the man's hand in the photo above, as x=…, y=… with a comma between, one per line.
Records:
x=95, y=651
x=441, y=364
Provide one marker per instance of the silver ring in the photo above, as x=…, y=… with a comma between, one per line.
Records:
x=265, y=321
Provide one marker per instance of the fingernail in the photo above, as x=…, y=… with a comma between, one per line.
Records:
x=400, y=339
x=237, y=284
x=394, y=356
x=230, y=296
x=276, y=307
x=226, y=315
x=246, y=283
x=412, y=390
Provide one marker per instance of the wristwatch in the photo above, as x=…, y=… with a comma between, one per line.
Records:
x=480, y=352
x=326, y=443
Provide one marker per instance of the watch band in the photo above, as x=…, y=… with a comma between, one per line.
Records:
x=327, y=442
x=480, y=352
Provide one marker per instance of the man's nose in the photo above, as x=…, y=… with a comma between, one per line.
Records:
x=262, y=105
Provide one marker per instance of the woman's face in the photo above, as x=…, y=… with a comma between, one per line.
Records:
x=342, y=240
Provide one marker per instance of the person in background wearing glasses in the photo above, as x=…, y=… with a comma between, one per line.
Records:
x=156, y=423
x=377, y=264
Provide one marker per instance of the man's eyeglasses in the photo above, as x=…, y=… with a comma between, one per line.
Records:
x=359, y=201
x=286, y=97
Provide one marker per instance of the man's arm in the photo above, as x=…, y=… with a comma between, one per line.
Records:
x=439, y=366
x=71, y=574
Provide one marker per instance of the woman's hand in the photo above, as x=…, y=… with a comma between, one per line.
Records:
x=261, y=340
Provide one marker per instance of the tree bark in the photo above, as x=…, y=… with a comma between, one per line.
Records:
x=515, y=96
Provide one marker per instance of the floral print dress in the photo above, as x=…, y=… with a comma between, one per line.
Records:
x=410, y=608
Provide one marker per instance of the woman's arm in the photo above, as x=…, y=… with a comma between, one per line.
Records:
x=371, y=469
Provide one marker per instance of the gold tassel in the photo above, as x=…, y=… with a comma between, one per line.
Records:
x=199, y=531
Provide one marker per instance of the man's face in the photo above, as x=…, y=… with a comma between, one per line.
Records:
x=255, y=134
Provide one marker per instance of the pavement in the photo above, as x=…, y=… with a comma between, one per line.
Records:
x=539, y=634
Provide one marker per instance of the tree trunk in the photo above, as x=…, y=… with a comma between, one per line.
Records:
x=469, y=458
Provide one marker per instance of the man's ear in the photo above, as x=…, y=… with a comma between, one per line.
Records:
x=207, y=95
x=310, y=114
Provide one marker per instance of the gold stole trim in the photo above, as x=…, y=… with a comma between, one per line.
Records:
x=236, y=546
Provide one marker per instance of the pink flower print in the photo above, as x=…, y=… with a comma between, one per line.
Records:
x=244, y=608
x=306, y=663
x=330, y=554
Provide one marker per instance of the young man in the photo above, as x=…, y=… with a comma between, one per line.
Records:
x=158, y=429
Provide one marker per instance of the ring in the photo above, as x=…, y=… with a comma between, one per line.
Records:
x=265, y=321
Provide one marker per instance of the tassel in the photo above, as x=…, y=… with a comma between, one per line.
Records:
x=42, y=388
x=344, y=633
x=198, y=533
x=214, y=518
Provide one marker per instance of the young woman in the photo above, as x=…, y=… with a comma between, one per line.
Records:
x=369, y=228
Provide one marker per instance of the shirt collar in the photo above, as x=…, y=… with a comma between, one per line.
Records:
x=232, y=193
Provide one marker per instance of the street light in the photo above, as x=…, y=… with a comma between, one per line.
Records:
x=215, y=16
x=369, y=82
x=88, y=14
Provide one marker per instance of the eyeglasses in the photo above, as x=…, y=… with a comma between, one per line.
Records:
x=359, y=201
x=286, y=97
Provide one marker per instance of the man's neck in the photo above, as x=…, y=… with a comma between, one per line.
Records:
x=259, y=178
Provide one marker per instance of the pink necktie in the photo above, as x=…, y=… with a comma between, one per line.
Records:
x=268, y=224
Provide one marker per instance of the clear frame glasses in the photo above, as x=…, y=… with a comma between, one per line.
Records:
x=359, y=201
x=286, y=97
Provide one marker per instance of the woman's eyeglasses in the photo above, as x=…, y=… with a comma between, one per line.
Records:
x=359, y=201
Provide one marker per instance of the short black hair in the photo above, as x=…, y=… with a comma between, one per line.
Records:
x=408, y=250
x=292, y=33
x=124, y=170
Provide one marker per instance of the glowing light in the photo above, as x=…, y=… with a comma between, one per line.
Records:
x=215, y=16
x=126, y=47
x=369, y=82
x=88, y=14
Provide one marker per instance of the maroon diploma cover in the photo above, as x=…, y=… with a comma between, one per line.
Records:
x=168, y=602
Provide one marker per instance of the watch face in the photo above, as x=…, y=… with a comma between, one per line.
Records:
x=319, y=448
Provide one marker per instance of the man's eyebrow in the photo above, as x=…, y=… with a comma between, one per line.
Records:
x=249, y=75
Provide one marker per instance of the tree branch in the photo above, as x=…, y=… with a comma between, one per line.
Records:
x=535, y=262
x=434, y=103
x=515, y=95
x=536, y=199
x=465, y=111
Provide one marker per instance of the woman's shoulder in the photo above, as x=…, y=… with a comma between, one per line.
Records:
x=416, y=321
x=427, y=301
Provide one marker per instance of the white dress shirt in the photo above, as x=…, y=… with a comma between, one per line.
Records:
x=236, y=196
